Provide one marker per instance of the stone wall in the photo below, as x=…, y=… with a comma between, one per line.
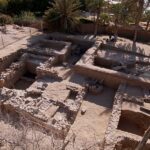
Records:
x=7, y=60
x=83, y=43
x=45, y=68
x=141, y=56
x=110, y=136
x=12, y=74
x=111, y=78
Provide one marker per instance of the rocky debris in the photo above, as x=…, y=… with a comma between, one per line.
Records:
x=12, y=74
x=60, y=121
x=33, y=92
x=133, y=99
x=118, y=68
x=72, y=105
x=95, y=86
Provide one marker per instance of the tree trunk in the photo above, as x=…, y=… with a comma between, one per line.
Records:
x=96, y=24
x=116, y=29
x=147, y=26
x=135, y=34
x=144, y=140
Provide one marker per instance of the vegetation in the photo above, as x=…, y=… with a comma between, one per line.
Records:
x=147, y=19
x=25, y=18
x=17, y=6
x=65, y=13
x=117, y=10
x=5, y=19
x=136, y=9
x=96, y=7
x=105, y=18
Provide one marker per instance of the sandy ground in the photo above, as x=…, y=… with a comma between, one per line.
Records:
x=12, y=35
x=127, y=44
x=21, y=44
x=90, y=127
x=24, y=138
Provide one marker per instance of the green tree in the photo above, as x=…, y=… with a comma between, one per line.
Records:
x=137, y=8
x=104, y=18
x=96, y=6
x=64, y=12
x=3, y=5
x=117, y=10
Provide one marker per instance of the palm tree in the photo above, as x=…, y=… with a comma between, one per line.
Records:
x=96, y=6
x=66, y=12
x=147, y=18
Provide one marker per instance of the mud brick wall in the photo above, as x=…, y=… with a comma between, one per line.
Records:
x=111, y=78
x=7, y=60
x=83, y=43
x=45, y=69
x=61, y=48
x=110, y=136
x=12, y=74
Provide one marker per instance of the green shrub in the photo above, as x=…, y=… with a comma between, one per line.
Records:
x=104, y=18
x=3, y=5
x=25, y=18
x=51, y=19
x=5, y=19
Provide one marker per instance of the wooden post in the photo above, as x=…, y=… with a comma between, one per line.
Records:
x=144, y=140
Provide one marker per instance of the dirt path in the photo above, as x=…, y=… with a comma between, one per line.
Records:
x=21, y=44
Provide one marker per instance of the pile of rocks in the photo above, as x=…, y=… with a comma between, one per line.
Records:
x=95, y=86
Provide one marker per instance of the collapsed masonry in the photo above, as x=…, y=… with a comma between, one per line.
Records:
x=41, y=85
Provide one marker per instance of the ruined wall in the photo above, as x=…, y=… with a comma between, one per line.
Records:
x=83, y=43
x=7, y=60
x=104, y=63
x=110, y=136
x=45, y=68
x=34, y=61
x=111, y=78
x=58, y=45
x=141, y=120
x=12, y=74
